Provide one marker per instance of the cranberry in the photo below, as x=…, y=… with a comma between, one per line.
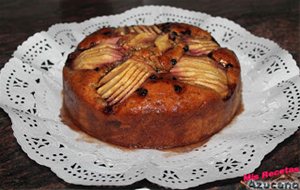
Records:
x=142, y=92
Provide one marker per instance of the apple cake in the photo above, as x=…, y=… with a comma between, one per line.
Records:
x=151, y=86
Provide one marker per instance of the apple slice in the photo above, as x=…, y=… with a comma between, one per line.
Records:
x=142, y=40
x=201, y=71
x=197, y=47
x=144, y=29
x=163, y=43
x=98, y=56
x=122, y=81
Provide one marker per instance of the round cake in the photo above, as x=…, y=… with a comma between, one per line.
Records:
x=159, y=86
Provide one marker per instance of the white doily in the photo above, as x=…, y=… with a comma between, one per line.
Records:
x=31, y=85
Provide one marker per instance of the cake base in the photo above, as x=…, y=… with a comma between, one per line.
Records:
x=66, y=119
x=161, y=120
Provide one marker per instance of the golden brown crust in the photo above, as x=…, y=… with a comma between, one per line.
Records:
x=172, y=114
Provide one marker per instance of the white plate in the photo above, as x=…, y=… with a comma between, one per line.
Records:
x=31, y=85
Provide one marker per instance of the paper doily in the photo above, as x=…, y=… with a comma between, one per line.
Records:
x=31, y=84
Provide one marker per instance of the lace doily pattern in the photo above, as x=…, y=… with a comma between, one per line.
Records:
x=31, y=85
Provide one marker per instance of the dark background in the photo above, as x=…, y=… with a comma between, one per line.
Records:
x=277, y=20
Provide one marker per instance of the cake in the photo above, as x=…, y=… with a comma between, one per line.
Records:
x=158, y=86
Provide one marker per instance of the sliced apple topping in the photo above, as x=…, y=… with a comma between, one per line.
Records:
x=163, y=43
x=142, y=40
x=202, y=46
x=144, y=29
x=201, y=71
x=180, y=49
x=98, y=56
x=122, y=81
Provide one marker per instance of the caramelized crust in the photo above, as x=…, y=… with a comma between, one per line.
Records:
x=141, y=97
